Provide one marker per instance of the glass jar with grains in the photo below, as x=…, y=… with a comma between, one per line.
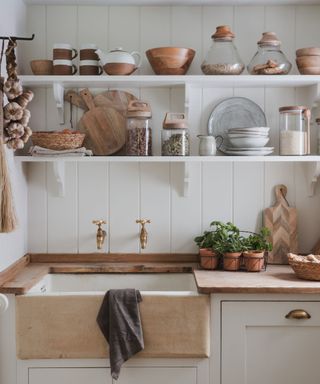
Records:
x=139, y=134
x=222, y=57
x=175, y=135
x=269, y=59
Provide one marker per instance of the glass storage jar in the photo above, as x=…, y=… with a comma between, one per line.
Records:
x=269, y=59
x=175, y=135
x=294, y=130
x=222, y=57
x=139, y=133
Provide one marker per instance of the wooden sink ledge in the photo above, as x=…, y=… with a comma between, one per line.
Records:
x=31, y=268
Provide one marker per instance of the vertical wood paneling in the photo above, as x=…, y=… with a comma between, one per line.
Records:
x=155, y=205
x=63, y=212
x=185, y=211
x=35, y=23
x=124, y=207
x=188, y=37
x=248, y=195
x=159, y=99
x=194, y=118
x=248, y=27
x=93, y=204
x=281, y=19
x=217, y=196
x=307, y=26
x=124, y=28
x=65, y=18
x=155, y=31
x=37, y=208
x=93, y=26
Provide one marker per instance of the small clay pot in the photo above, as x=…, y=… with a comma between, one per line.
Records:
x=253, y=261
x=231, y=261
x=208, y=258
x=41, y=67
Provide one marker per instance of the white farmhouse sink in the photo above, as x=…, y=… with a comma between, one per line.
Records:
x=162, y=282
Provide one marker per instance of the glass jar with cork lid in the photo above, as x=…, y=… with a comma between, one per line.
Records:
x=222, y=57
x=294, y=130
x=175, y=135
x=139, y=133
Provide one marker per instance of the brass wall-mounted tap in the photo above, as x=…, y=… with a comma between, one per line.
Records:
x=143, y=232
x=101, y=233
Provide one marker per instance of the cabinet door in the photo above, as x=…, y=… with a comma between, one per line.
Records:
x=158, y=375
x=259, y=345
x=69, y=376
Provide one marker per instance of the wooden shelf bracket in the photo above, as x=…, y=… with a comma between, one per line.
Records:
x=59, y=174
x=312, y=173
x=4, y=303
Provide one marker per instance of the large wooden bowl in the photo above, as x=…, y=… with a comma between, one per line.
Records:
x=170, y=60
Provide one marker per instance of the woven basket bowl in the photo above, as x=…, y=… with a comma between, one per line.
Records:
x=306, y=271
x=58, y=140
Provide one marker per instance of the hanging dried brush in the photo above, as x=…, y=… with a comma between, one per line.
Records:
x=8, y=219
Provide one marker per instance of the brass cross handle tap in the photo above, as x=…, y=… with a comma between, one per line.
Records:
x=143, y=232
x=101, y=233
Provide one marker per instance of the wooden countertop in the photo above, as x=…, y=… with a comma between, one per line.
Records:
x=30, y=269
x=276, y=279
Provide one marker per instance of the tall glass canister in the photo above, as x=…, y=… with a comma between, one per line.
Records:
x=294, y=130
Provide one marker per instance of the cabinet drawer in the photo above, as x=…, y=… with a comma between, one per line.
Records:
x=260, y=345
x=69, y=376
x=130, y=375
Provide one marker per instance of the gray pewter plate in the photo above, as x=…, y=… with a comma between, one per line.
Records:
x=235, y=112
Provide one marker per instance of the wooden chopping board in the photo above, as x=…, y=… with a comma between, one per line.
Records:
x=281, y=219
x=105, y=127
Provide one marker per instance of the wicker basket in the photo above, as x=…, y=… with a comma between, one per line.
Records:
x=58, y=140
x=305, y=270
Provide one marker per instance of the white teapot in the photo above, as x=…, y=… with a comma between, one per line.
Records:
x=119, y=62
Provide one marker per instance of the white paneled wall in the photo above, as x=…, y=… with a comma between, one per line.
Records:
x=123, y=192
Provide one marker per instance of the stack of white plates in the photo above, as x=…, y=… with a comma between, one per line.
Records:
x=247, y=141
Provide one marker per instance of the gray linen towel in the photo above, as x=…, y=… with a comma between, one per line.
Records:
x=119, y=321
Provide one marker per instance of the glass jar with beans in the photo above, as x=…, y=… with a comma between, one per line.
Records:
x=139, y=133
x=175, y=135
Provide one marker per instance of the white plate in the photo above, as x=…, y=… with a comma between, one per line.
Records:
x=235, y=113
x=249, y=135
x=247, y=152
x=260, y=149
x=264, y=130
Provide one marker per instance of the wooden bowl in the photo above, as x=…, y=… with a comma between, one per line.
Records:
x=308, y=61
x=170, y=60
x=309, y=70
x=312, y=51
x=41, y=67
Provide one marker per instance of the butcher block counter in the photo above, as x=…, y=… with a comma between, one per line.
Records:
x=276, y=279
x=21, y=276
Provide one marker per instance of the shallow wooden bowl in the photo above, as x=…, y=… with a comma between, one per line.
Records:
x=170, y=60
x=308, y=61
x=41, y=67
x=309, y=70
x=312, y=51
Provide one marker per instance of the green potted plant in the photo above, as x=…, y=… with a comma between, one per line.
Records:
x=209, y=258
x=256, y=245
x=230, y=244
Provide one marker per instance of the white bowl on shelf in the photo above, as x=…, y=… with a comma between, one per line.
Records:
x=248, y=142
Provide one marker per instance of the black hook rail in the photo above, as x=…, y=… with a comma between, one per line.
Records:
x=14, y=38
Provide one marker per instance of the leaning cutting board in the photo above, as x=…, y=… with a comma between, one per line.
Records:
x=104, y=127
x=281, y=219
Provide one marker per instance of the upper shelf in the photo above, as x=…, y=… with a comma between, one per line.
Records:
x=137, y=81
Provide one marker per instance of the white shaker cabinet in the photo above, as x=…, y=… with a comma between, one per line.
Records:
x=259, y=345
x=69, y=376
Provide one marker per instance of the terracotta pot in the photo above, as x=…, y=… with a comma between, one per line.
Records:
x=231, y=261
x=208, y=258
x=253, y=261
x=41, y=67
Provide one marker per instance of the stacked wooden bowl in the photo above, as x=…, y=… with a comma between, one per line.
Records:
x=308, y=61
